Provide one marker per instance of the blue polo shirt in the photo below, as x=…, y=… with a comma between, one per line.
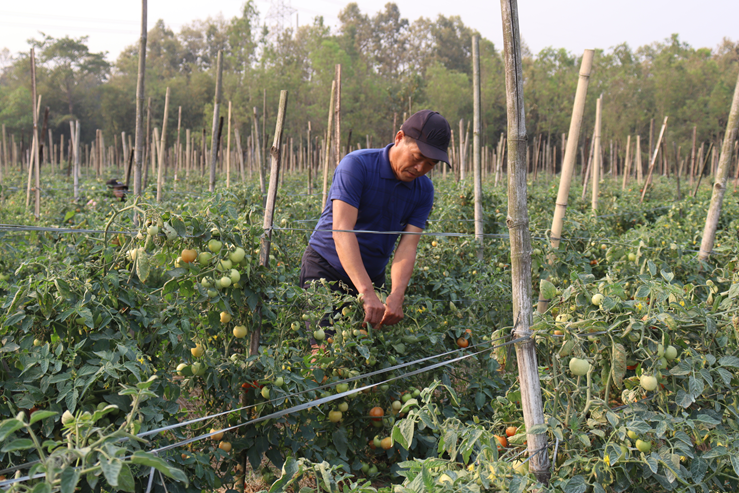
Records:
x=365, y=180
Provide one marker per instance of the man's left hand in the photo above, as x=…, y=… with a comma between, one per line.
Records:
x=393, y=309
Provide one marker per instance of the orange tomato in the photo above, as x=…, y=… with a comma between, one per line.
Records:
x=511, y=430
x=503, y=441
x=188, y=256
x=462, y=342
x=377, y=413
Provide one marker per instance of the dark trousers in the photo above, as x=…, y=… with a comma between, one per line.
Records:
x=314, y=267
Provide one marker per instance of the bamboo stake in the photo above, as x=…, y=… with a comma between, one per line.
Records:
x=178, y=154
x=461, y=170
x=476, y=149
x=228, y=148
x=654, y=159
x=520, y=239
x=326, y=152
x=588, y=169
x=703, y=165
x=149, y=150
x=337, y=118
x=214, y=133
x=269, y=209
x=188, y=150
x=638, y=163
x=736, y=162
x=309, y=161
x=36, y=164
x=162, y=148
x=257, y=149
x=139, y=139
x=240, y=152
x=692, y=157
x=76, y=160
x=4, y=165
x=627, y=163
x=597, y=155
x=568, y=163
x=722, y=174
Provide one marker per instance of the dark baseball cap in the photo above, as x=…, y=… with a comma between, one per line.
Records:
x=431, y=132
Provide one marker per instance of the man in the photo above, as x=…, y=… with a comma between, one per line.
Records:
x=382, y=190
x=119, y=189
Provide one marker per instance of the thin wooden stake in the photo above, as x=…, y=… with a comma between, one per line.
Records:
x=269, y=208
x=722, y=174
x=228, y=148
x=216, y=121
x=140, y=96
x=627, y=163
x=520, y=239
x=597, y=155
x=653, y=161
x=476, y=146
x=327, y=150
x=162, y=148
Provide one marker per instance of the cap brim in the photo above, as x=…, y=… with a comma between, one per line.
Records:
x=432, y=152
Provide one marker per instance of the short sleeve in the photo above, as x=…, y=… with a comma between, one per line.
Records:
x=421, y=213
x=348, y=181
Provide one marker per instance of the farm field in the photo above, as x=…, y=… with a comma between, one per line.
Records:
x=125, y=345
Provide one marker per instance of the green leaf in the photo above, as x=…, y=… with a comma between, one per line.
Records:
x=652, y=463
x=576, y=485
x=537, y=429
x=684, y=399
x=518, y=484
x=142, y=265
x=618, y=364
x=730, y=361
x=428, y=479
x=652, y=270
x=19, y=444
x=698, y=468
x=39, y=415
x=403, y=432
x=70, y=477
x=735, y=463
x=340, y=441
x=111, y=469
x=125, y=480
x=9, y=426
x=150, y=460
x=43, y=487
x=409, y=404
x=547, y=290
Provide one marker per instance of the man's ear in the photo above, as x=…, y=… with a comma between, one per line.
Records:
x=399, y=137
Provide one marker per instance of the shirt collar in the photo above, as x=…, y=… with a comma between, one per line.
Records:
x=386, y=171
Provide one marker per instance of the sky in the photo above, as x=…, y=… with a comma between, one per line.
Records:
x=571, y=24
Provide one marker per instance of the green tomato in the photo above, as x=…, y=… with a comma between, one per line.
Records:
x=670, y=353
x=579, y=367
x=235, y=276
x=237, y=255
x=279, y=382
x=597, y=299
x=215, y=246
x=265, y=392
x=406, y=397
x=343, y=407
x=319, y=335
x=204, y=257
x=342, y=387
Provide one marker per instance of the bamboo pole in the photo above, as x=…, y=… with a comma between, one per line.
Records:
x=309, y=160
x=214, y=133
x=327, y=149
x=269, y=208
x=228, y=148
x=77, y=160
x=692, y=156
x=257, y=149
x=240, y=152
x=178, y=153
x=597, y=155
x=722, y=174
x=148, y=152
x=588, y=169
x=627, y=163
x=653, y=161
x=162, y=148
x=36, y=164
x=140, y=96
x=188, y=151
x=638, y=162
x=4, y=164
x=337, y=118
x=476, y=149
x=520, y=238
x=568, y=163
x=702, y=162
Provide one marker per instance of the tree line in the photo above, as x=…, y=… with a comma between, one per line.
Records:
x=390, y=67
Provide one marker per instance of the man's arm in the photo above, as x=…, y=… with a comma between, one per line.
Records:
x=347, y=247
x=400, y=275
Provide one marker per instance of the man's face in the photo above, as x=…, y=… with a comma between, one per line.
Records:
x=118, y=192
x=407, y=161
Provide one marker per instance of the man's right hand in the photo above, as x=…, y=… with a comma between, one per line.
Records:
x=374, y=310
